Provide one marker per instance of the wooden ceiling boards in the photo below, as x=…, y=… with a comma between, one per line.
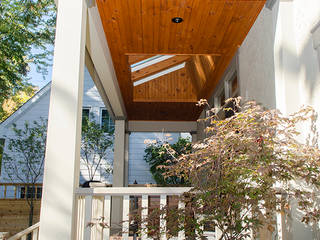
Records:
x=208, y=36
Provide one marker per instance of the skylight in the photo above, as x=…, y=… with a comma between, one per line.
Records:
x=149, y=61
x=159, y=74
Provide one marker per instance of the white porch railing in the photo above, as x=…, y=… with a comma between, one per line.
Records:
x=33, y=230
x=95, y=204
x=94, y=213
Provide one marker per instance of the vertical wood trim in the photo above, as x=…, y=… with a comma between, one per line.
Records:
x=106, y=215
x=163, y=222
x=181, y=234
x=87, y=217
x=144, y=215
x=125, y=217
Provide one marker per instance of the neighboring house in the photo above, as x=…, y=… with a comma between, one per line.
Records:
x=93, y=108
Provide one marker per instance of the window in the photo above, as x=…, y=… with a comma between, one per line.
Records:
x=106, y=122
x=85, y=115
x=35, y=192
x=229, y=88
x=2, y=142
x=234, y=87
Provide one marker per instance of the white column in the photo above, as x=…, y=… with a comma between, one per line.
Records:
x=119, y=153
x=194, y=136
x=119, y=171
x=61, y=170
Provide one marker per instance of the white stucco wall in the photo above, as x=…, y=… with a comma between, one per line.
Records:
x=255, y=62
x=278, y=66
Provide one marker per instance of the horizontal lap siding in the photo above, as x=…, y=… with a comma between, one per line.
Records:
x=138, y=168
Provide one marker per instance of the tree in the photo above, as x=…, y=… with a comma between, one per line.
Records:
x=95, y=144
x=12, y=104
x=156, y=155
x=26, y=33
x=25, y=158
x=253, y=163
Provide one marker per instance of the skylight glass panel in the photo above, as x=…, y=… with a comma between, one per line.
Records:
x=149, y=61
x=159, y=74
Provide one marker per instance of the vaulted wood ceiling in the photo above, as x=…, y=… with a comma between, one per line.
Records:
x=206, y=40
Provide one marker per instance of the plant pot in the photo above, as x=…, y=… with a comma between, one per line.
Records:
x=93, y=183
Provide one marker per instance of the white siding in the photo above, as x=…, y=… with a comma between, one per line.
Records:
x=40, y=110
x=138, y=168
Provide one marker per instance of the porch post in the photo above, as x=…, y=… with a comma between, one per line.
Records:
x=119, y=171
x=61, y=170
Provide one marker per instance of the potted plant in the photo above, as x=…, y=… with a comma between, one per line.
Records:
x=96, y=142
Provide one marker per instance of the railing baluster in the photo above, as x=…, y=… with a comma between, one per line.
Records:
x=144, y=215
x=35, y=234
x=87, y=217
x=279, y=225
x=80, y=216
x=106, y=215
x=163, y=222
x=218, y=233
x=5, y=191
x=181, y=234
x=125, y=217
x=200, y=219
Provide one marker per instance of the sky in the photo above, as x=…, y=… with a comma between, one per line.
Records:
x=37, y=79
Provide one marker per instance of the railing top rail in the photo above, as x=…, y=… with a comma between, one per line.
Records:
x=120, y=191
x=25, y=232
x=20, y=184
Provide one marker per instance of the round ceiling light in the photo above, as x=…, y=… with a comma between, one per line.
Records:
x=177, y=20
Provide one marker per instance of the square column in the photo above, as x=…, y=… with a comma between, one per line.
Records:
x=120, y=172
x=61, y=170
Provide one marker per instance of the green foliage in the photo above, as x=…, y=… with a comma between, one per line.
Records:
x=12, y=104
x=26, y=152
x=95, y=143
x=24, y=160
x=156, y=155
x=26, y=34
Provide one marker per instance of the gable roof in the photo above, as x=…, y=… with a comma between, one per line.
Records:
x=28, y=104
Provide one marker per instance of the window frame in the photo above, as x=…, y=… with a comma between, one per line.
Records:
x=109, y=119
x=2, y=147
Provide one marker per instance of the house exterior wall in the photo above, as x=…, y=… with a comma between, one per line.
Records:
x=278, y=66
x=138, y=168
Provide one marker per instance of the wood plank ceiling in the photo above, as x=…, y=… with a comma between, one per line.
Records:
x=206, y=40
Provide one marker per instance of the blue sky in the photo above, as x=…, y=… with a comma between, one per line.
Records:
x=37, y=78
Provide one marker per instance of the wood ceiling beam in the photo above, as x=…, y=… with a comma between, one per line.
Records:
x=158, y=67
x=194, y=77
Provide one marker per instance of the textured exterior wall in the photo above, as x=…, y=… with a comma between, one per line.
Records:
x=279, y=67
x=255, y=59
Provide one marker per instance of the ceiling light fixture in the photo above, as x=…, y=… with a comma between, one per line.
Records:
x=177, y=20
